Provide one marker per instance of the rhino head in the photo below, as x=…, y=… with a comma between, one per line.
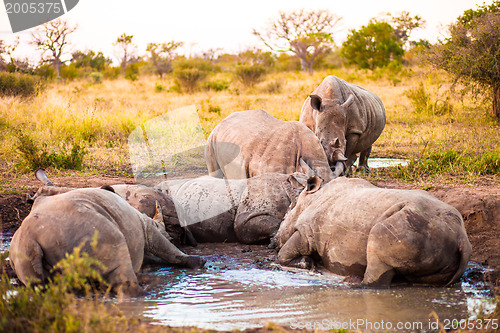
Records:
x=331, y=127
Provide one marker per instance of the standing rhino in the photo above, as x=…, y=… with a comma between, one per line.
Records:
x=244, y=210
x=346, y=118
x=376, y=234
x=57, y=224
x=251, y=143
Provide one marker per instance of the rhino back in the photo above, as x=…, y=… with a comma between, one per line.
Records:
x=268, y=145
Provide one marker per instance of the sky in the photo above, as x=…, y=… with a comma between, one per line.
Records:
x=205, y=24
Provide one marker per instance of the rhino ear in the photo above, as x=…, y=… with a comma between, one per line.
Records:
x=315, y=102
x=158, y=214
x=313, y=184
x=348, y=101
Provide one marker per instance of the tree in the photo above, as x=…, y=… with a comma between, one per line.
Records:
x=404, y=25
x=307, y=34
x=373, y=45
x=162, y=55
x=52, y=39
x=472, y=52
x=90, y=59
x=126, y=50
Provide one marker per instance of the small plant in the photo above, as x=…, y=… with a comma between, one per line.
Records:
x=250, y=75
x=96, y=77
x=273, y=87
x=188, y=79
x=158, y=87
x=37, y=156
x=217, y=85
x=428, y=102
x=14, y=84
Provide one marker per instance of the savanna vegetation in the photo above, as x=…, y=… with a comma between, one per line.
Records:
x=74, y=116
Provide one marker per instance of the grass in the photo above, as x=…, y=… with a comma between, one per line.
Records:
x=424, y=119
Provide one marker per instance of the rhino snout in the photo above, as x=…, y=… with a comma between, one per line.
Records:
x=195, y=262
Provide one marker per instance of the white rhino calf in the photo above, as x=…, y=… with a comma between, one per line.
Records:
x=57, y=224
x=346, y=118
x=238, y=210
x=251, y=143
x=375, y=234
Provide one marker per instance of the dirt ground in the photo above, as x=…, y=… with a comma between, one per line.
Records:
x=479, y=206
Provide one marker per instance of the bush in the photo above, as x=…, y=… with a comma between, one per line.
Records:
x=15, y=84
x=250, y=75
x=35, y=156
x=428, y=102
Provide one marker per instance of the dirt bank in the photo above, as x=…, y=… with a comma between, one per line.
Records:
x=480, y=207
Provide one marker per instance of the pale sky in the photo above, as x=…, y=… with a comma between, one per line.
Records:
x=205, y=24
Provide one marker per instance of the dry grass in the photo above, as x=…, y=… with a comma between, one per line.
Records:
x=101, y=116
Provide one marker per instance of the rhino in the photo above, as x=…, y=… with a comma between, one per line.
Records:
x=375, y=235
x=141, y=197
x=234, y=210
x=347, y=119
x=57, y=224
x=251, y=143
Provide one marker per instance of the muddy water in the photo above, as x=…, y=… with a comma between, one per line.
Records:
x=241, y=287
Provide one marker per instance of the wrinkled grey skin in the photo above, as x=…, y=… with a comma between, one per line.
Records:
x=238, y=210
x=346, y=118
x=251, y=143
x=140, y=197
x=375, y=234
x=57, y=224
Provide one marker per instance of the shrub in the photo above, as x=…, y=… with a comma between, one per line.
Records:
x=217, y=85
x=428, y=102
x=250, y=75
x=189, y=79
x=35, y=156
x=96, y=77
x=15, y=84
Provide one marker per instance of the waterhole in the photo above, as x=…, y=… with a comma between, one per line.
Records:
x=242, y=287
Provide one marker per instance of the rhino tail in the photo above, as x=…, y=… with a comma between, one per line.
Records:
x=35, y=255
x=464, y=253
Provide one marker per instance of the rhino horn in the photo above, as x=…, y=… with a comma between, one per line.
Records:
x=339, y=169
x=313, y=184
x=349, y=101
x=306, y=168
x=42, y=176
x=159, y=214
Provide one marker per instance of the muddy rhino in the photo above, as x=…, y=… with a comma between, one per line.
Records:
x=237, y=210
x=141, y=197
x=251, y=143
x=377, y=235
x=346, y=118
x=57, y=224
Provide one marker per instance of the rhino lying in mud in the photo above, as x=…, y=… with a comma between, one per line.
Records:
x=375, y=234
x=140, y=197
x=346, y=118
x=251, y=143
x=244, y=210
x=57, y=224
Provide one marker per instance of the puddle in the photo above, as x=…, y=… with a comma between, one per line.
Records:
x=241, y=287
x=386, y=162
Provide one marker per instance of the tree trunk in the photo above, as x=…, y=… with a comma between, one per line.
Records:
x=57, y=64
x=496, y=101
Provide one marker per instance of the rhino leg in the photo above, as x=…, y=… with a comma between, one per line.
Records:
x=123, y=280
x=363, y=160
x=295, y=252
x=252, y=229
x=378, y=273
x=161, y=247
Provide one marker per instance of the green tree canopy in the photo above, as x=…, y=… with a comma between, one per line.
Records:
x=472, y=51
x=373, y=45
